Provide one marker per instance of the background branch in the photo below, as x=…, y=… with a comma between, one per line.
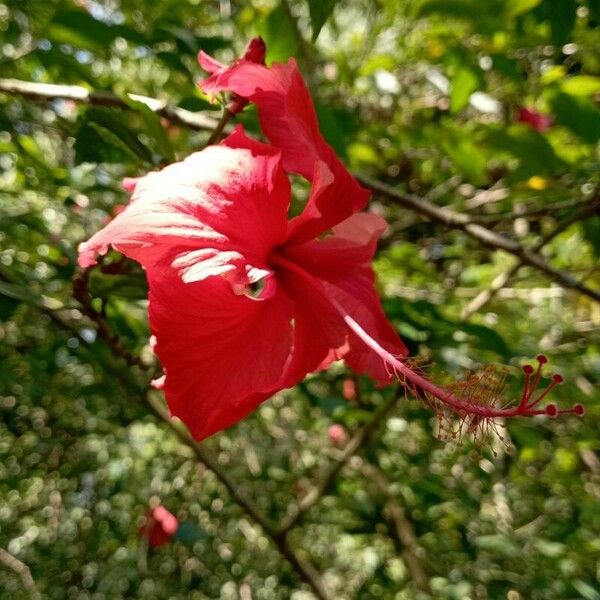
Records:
x=49, y=91
x=401, y=528
x=503, y=278
x=198, y=121
x=22, y=570
x=456, y=220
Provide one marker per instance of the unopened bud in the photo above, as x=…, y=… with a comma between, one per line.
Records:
x=337, y=434
x=255, y=52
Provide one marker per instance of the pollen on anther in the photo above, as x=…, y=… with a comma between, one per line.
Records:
x=541, y=359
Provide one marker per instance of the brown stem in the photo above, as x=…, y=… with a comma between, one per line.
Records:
x=327, y=479
x=215, y=136
x=456, y=220
x=301, y=566
x=401, y=528
x=503, y=278
x=22, y=570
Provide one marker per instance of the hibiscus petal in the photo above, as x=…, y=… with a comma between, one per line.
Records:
x=342, y=263
x=289, y=121
x=320, y=335
x=233, y=197
x=222, y=354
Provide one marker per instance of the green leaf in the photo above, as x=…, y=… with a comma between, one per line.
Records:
x=514, y=8
x=15, y=291
x=468, y=159
x=562, y=15
x=465, y=82
x=154, y=129
x=129, y=286
x=82, y=31
x=579, y=115
x=594, y=6
x=196, y=104
x=586, y=590
x=581, y=85
x=465, y=9
x=591, y=228
x=337, y=126
x=8, y=306
x=105, y=136
x=280, y=33
x=536, y=156
x=320, y=10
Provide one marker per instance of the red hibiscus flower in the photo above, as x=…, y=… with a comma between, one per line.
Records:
x=536, y=120
x=159, y=527
x=244, y=301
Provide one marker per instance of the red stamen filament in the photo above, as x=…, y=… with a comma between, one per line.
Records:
x=536, y=381
x=528, y=370
x=555, y=381
x=477, y=392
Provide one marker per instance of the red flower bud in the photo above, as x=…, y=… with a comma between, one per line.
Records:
x=349, y=389
x=337, y=434
x=160, y=526
x=255, y=52
x=536, y=120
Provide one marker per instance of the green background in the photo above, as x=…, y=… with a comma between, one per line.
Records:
x=421, y=95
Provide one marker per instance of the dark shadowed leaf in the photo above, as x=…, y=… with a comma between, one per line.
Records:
x=104, y=135
x=579, y=115
x=319, y=13
x=280, y=33
x=562, y=16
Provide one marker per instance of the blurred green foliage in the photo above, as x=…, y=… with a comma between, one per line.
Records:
x=421, y=94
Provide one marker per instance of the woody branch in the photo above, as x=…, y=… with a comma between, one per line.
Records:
x=197, y=121
x=503, y=278
x=22, y=570
x=303, y=568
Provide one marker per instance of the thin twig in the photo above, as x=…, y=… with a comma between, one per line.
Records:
x=534, y=211
x=77, y=93
x=22, y=570
x=456, y=220
x=401, y=528
x=503, y=278
x=327, y=479
x=215, y=136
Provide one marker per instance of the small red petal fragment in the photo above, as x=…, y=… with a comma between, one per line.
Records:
x=158, y=383
x=129, y=184
x=160, y=526
x=349, y=389
x=535, y=119
x=337, y=434
x=255, y=51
